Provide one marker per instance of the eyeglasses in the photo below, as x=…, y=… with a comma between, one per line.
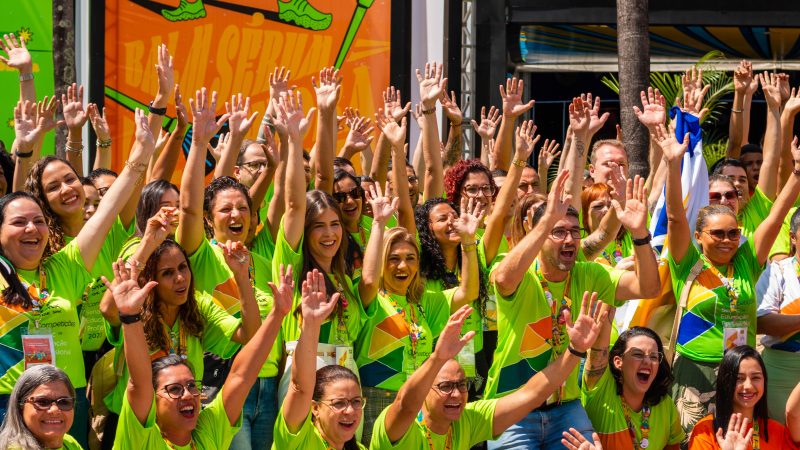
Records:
x=176, y=390
x=719, y=235
x=340, y=405
x=356, y=194
x=474, y=191
x=528, y=187
x=639, y=356
x=412, y=179
x=718, y=196
x=255, y=166
x=560, y=234
x=44, y=403
x=447, y=387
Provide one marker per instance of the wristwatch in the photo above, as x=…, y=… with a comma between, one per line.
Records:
x=130, y=318
x=159, y=111
x=643, y=241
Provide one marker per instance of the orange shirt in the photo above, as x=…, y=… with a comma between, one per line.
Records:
x=704, y=436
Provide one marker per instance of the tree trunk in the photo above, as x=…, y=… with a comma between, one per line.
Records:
x=63, y=58
x=633, y=47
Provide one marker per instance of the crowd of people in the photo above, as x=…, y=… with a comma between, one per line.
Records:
x=357, y=295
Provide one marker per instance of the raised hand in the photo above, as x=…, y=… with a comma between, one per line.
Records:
x=770, y=84
x=72, y=107
x=180, y=110
x=512, y=98
x=633, y=215
x=693, y=92
x=143, y=134
x=450, y=108
x=580, y=118
x=795, y=150
x=205, y=124
x=393, y=106
x=396, y=134
x=431, y=85
x=279, y=82
x=165, y=72
x=290, y=111
x=488, y=125
x=558, y=200
x=128, y=296
x=360, y=135
x=617, y=182
x=742, y=77
x=46, y=114
x=314, y=303
x=18, y=55
x=417, y=114
x=223, y=141
x=654, y=111
x=162, y=225
x=671, y=148
x=329, y=89
x=25, y=129
x=470, y=219
x=586, y=328
x=738, y=436
x=450, y=340
x=99, y=122
x=238, y=122
x=548, y=153
x=785, y=88
x=574, y=440
x=596, y=121
x=282, y=295
x=382, y=206
x=237, y=257
x=526, y=140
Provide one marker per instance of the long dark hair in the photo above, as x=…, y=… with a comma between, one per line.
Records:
x=331, y=374
x=33, y=184
x=15, y=293
x=354, y=256
x=663, y=381
x=150, y=202
x=188, y=313
x=726, y=389
x=432, y=264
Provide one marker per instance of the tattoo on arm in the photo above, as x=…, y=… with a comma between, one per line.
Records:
x=591, y=244
x=581, y=147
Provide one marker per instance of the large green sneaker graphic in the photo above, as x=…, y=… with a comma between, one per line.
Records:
x=300, y=12
x=185, y=11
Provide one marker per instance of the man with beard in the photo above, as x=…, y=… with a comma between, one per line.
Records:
x=535, y=283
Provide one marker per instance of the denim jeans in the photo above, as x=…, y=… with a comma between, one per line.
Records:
x=541, y=429
x=258, y=417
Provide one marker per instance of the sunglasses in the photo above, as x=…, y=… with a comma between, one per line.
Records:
x=176, y=390
x=357, y=193
x=44, y=403
x=719, y=235
x=718, y=196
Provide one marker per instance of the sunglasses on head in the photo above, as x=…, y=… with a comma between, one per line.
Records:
x=718, y=196
x=356, y=194
x=44, y=403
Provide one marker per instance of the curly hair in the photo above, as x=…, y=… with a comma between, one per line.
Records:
x=188, y=313
x=432, y=264
x=663, y=381
x=222, y=184
x=456, y=176
x=33, y=185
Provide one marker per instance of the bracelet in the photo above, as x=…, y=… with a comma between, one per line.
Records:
x=26, y=76
x=138, y=167
x=468, y=247
x=159, y=111
x=20, y=154
x=457, y=124
x=70, y=147
x=520, y=163
x=736, y=110
x=576, y=353
x=128, y=319
x=429, y=111
x=795, y=170
x=643, y=241
x=103, y=144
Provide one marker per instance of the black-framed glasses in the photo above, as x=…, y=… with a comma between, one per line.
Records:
x=727, y=195
x=44, y=403
x=474, y=191
x=340, y=405
x=719, y=235
x=356, y=193
x=639, y=356
x=412, y=179
x=528, y=187
x=560, y=234
x=176, y=390
x=255, y=166
x=447, y=387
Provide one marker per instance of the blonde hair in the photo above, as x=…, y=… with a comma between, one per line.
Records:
x=399, y=235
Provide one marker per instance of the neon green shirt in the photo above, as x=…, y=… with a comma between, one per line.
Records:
x=384, y=352
x=525, y=326
x=65, y=279
x=218, y=330
x=263, y=244
x=605, y=410
x=708, y=309
x=474, y=426
x=213, y=430
x=306, y=438
x=69, y=443
x=755, y=212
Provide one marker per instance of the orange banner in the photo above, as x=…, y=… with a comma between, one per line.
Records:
x=233, y=46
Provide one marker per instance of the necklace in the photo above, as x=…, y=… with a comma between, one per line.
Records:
x=172, y=446
x=644, y=428
x=414, y=328
x=727, y=281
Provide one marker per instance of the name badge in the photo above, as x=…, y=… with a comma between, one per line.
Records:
x=38, y=349
x=733, y=337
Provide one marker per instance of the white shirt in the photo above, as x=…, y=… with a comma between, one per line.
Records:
x=778, y=292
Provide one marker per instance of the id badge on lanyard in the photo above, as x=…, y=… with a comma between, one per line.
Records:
x=38, y=346
x=466, y=357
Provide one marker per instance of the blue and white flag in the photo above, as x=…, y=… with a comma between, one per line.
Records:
x=694, y=178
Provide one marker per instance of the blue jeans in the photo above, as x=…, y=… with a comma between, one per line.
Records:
x=541, y=429
x=258, y=417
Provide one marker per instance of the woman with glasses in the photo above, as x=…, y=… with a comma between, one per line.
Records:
x=432, y=411
x=719, y=311
x=323, y=408
x=161, y=407
x=742, y=401
x=42, y=412
x=626, y=392
x=350, y=196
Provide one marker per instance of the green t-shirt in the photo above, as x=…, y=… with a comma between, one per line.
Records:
x=213, y=430
x=306, y=438
x=604, y=408
x=263, y=244
x=213, y=277
x=341, y=330
x=218, y=329
x=69, y=443
x=474, y=426
x=65, y=277
x=384, y=352
x=525, y=327
x=702, y=333
x=755, y=212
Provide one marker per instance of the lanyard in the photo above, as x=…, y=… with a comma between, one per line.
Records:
x=177, y=344
x=756, y=440
x=414, y=327
x=556, y=321
x=644, y=428
x=617, y=255
x=448, y=442
x=342, y=335
x=39, y=297
x=727, y=281
x=363, y=237
x=172, y=446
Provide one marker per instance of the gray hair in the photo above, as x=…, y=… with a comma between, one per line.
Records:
x=14, y=432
